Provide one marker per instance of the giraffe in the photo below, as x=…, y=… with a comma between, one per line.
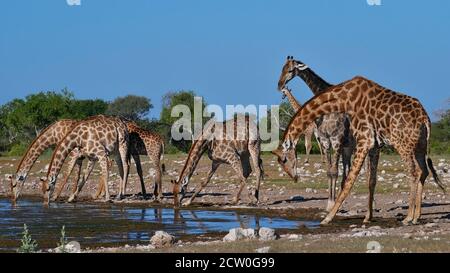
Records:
x=312, y=129
x=333, y=129
x=234, y=142
x=142, y=142
x=52, y=135
x=95, y=138
x=378, y=116
x=146, y=142
x=49, y=136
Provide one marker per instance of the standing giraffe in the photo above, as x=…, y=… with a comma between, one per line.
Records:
x=310, y=131
x=378, y=116
x=236, y=150
x=333, y=129
x=95, y=138
x=51, y=135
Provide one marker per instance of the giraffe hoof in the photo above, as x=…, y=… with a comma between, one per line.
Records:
x=325, y=222
x=406, y=222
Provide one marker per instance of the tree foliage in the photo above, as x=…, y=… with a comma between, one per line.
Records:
x=131, y=107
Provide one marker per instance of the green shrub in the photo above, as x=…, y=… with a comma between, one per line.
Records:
x=18, y=149
x=28, y=244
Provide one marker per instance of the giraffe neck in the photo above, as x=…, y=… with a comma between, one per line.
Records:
x=59, y=156
x=294, y=103
x=313, y=81
x=42, y=142
x=195, y=153
x=325, y=103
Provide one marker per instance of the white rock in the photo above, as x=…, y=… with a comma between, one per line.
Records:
x=396, y=185
x=263, y=249
x=162, y=239
x=236, y=234
x=267, y=234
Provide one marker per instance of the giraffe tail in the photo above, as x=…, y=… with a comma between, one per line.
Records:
x=163, y=166
x=436, y=178
x=430, y=166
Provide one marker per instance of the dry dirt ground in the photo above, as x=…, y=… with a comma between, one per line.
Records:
x=278, y=192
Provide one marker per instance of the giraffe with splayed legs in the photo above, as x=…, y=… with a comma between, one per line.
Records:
x=96, y=138
x=333, y=130
x=146, y=142
x=236, y=147
x=310, y=131
x=378, y=116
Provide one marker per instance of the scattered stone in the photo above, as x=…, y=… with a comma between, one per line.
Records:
x=236, y=234
x=263, y=249
x=407, y=236
x=396, y=185
x=267, y=234
x=295, y=237
x=430, y=225
x=162, y=239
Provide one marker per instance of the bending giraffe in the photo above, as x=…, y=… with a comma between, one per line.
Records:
x=378, y=116
x=310, y=131
x=49, y=136
x=235, y=147
x=146, y=142
x=333, y=130
x=95, y=138
x=55, y=132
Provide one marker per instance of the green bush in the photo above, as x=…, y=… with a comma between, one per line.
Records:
x=28, y=244
x=18, y=149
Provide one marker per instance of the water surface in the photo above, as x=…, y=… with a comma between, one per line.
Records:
x=97, y=224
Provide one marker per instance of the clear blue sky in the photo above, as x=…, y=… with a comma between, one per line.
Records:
x=230, y=52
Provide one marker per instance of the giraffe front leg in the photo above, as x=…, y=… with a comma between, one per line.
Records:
x=361, y=153
x=332, y=176
x=80, y=184
x=104, y=165
x=236, y=164
x=308, y=145
x=75, y=160
x=211, y=172
x=157, y=189
x=372, y=165
x=123, y=151
x=257, y=166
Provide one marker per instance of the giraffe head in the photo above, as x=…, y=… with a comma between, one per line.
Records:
x=290, y=69
x=175, y=191
x=48, y=186
x=287, y=158
x=179, y=189
x=16, y=182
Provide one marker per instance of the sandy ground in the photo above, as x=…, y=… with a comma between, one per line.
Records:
x=278, y=192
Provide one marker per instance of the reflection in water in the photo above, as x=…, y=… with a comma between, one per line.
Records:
x=100, y=224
